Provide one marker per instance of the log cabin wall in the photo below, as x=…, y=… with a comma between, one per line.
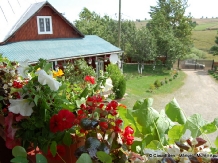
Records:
x=29, y=30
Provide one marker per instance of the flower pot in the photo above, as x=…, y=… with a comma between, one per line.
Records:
x=68, y=157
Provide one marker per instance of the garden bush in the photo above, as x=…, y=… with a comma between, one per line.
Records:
x=119, y=93
x=117, y=80
x=157, y=83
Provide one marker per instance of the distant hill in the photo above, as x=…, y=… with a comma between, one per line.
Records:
x=203, y=35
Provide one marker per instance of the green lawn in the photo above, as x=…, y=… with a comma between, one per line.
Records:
x=137, y=85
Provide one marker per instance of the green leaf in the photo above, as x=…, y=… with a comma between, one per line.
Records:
x=154, y=144
x=174, y=112
x=209, y=128
x=84, y=158
x=40, y=158
x=84, y=93
x=131, y=119
x=47, y=66
x=1, y=98
x=194, y=124
x=216, y=142
x=36, y=98
x=175, y=133
x=145, y=115
x=67, y=138
x=104, y=157
x=19, y=159
x=80, y=101
x=19, y=151
x=53, y=148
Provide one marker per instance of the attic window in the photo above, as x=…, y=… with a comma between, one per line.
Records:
x=44, y=24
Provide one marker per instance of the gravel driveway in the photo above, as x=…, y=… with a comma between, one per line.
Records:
x=199, y=94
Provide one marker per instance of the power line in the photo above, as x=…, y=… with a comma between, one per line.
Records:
x=18, y=2
x=4, y=14
x=11, y=7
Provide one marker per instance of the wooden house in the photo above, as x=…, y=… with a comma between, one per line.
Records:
x=43, y=32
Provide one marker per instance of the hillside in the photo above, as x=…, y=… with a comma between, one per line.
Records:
x=203, y=34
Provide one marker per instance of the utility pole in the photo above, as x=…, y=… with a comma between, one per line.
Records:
x=119, y=24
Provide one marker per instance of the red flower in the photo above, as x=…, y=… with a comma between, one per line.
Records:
x=118, y=122
x=103, y=125
x=54, y=123
x=90, y=79
x=66, y=119
x=127, y=135
x=60, y=150
x=17, y=84
x=117, y=129
x=112, y=107
x=61, y=121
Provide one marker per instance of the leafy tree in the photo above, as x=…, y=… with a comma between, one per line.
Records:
x=171, y=28
x=214, y=49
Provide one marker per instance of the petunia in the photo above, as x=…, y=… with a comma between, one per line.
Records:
x=23, y=69
x=44, y=79
x=21, y=106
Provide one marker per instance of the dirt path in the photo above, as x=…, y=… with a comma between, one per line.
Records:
x=199, y=94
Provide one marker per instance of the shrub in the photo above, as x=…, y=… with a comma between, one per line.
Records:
x=152, y=87
x=166, y=81
x=157, y=83
x=117, y=79
x=170, y=79
x=162, y=82
x=121, y=89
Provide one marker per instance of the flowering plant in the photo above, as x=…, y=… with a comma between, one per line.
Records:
x=42, y=111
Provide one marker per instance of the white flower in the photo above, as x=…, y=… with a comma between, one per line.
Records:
x=5, y=86
x=44, y=79
x=12, y=72
x=23, y=69
x=108, y=85
x=173, y=150
x=186, y=135
x=21, y=106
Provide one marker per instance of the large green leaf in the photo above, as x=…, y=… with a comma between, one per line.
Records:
x=209, y=128
x=53, y=148
x=145, y=115
x=19, y=159
x=194, y=124
x=19, y=151
x=216, y=142
x=40, y=158
x=84, y=158
x=175, y=133
x=154, y=144
x=104, y=157
x=174, y=112
x=131, y=119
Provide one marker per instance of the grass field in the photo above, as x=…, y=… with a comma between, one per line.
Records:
x=137, y=85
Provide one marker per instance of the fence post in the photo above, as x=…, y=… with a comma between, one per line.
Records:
x=178, y=63
x=212, y=65
x=195, y=63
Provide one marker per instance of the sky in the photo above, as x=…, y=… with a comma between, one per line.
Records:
x=10, y=10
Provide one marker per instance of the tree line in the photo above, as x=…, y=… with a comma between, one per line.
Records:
x=168, y=33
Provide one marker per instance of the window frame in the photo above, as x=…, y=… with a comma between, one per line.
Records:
x=38, y=25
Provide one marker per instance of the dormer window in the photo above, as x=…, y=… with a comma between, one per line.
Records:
x=44, y=24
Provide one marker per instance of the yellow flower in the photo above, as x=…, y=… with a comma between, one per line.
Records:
x=57, y=73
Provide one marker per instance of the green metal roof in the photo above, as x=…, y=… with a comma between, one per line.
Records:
x=56, y=49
